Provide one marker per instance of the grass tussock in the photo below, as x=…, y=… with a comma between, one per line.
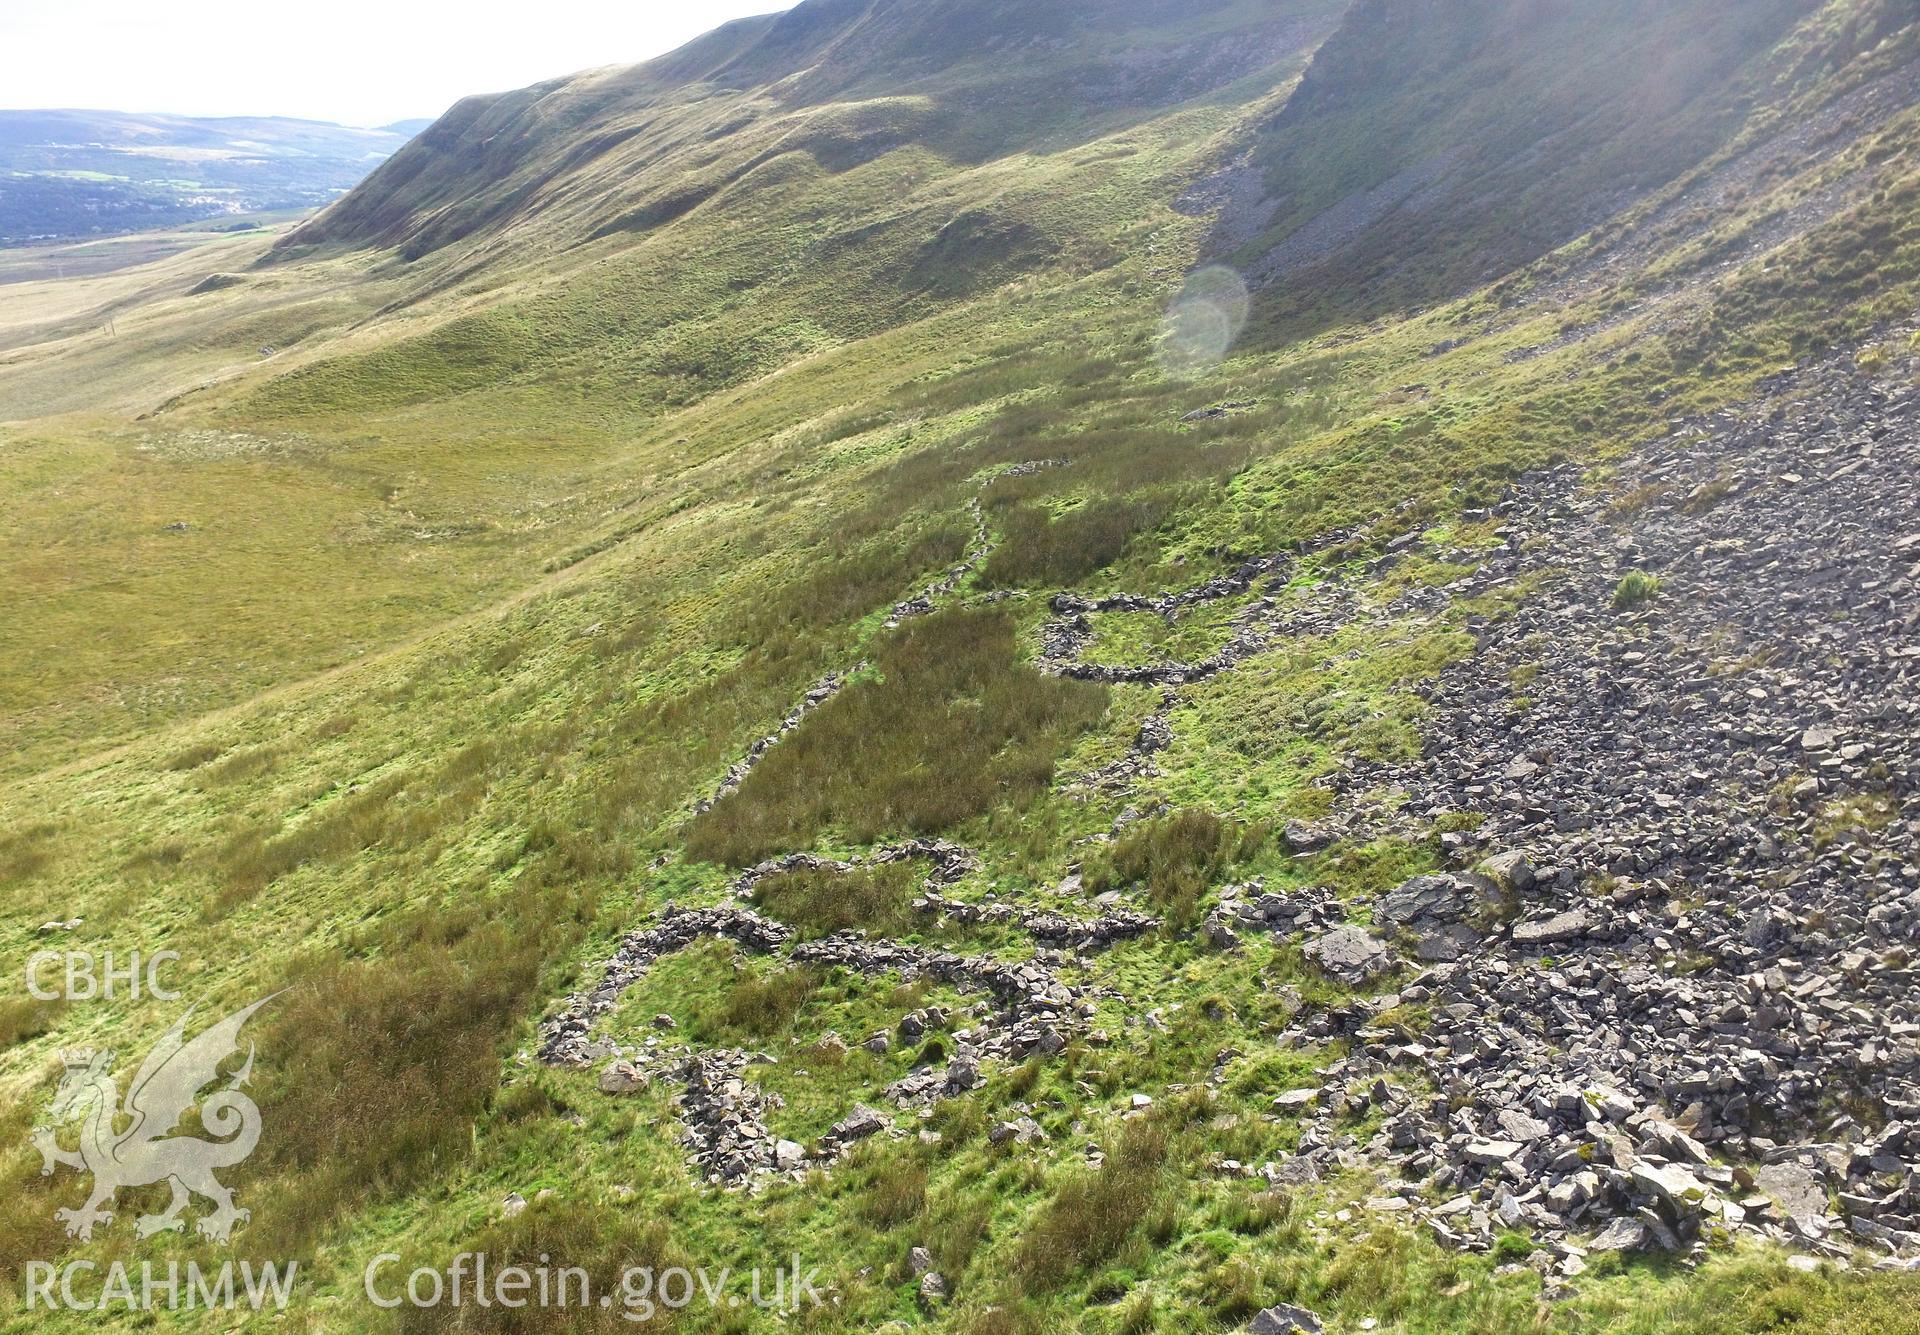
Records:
x=390, y=1057
x=589, y=1249
x=26, y=852
x=1042, y=551
x=22, y=1018
x=236, y=768
x=253, y=860
x=28, y=1229
x=877, y=900
x=411, y=811
x=1176, y=858
x=949, y=727
x=193, y=757
x=1097, y=1211
x=895, y=1193
x=762, y=1003
x=1636, y=589
x=852, y=586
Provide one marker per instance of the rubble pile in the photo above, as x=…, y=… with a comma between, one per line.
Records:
x=1680, y=997
x=1662, y=989
x=1037, y=1011
x=950, y=863
x=1045, y=925
x=564, y=1037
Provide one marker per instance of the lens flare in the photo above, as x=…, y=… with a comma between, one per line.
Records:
x=1204, y=320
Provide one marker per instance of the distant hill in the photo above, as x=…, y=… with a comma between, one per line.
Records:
x=832, y=84
x=99, y=173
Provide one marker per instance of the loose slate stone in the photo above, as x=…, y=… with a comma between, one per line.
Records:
x=1680, y=1190
x=1568, y=926
x=1620, y=1235
x=1350, y=954
x=1492, y=1151
x=1286, y=1319
x=1794, y=1186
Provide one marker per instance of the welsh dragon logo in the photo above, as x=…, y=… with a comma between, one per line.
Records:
x=166, y=1086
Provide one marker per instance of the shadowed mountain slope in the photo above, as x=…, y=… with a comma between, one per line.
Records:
x=1433, y=146
x=840, y=82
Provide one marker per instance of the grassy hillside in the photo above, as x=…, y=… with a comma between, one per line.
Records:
x=823, y=89
x=403, y=667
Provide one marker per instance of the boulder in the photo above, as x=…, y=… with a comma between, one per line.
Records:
x=1285, y=1319
x=1490, y=1152
x=1424, y=899
x=622, y=1078
x=858, y=1124
x=1799, y=1192
x=1301, y=838
x=1674, y=1186
x=1217, y=934
x=1571, y=925
x=1620, y=1235
x=1021, y=1130
x=1350, y=954
x=1446, y=944
x=1517, y=1125
x=1511, y=871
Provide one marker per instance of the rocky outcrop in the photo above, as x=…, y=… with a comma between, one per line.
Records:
x=1252, y=907
x=1678, y=928
x=1037, y=1010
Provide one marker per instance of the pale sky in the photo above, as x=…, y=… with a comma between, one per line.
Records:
x=359, y=62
